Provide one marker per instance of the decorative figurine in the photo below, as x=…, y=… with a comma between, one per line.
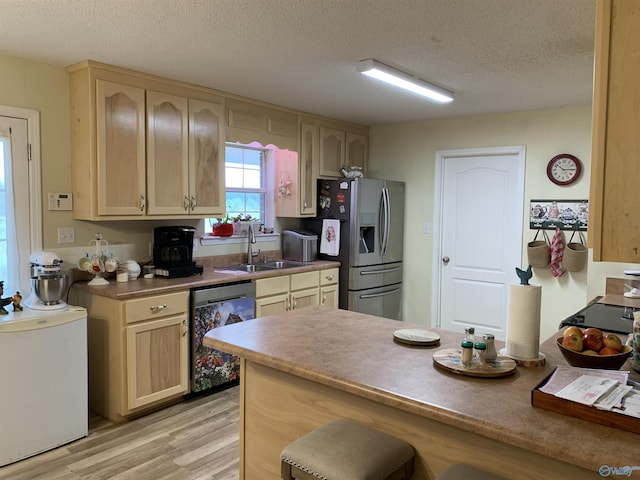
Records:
x=4, y=301
x=17, y=300
x=524, y=275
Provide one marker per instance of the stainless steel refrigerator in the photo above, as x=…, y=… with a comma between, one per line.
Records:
x=371, y=218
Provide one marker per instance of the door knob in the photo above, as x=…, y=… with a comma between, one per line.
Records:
x=445, y=260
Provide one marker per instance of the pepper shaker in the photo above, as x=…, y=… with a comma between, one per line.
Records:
x=490, y=354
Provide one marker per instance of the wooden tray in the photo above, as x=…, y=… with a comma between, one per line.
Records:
x=450, y=359
x=552, y=403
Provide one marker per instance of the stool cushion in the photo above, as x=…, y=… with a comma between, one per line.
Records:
x=344, y=450
x=462, y=471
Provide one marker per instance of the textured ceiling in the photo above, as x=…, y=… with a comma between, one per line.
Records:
x=496, y=55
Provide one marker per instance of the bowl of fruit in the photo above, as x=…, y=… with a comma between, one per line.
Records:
x=592, y=348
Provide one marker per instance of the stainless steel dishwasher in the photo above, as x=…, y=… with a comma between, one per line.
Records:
x=216, y=307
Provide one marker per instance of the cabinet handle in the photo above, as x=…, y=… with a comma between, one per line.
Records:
x=288, y=304
x=193, y=202
x=324, y=298
x=157, y=308
x=186, y=203
x=142, y=203
x=295, y=304
x=329, y=277
x=185, y=329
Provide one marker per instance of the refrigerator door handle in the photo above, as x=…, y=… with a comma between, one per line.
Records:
x=377, y=272
x=373, y=295
x=386, y=213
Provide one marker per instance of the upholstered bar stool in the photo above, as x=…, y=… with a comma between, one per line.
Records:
x=462, y=471
x=344, y=450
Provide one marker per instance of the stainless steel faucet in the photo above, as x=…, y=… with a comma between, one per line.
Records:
x=252, y=240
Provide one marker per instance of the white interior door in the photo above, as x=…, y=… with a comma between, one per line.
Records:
x=479, y=211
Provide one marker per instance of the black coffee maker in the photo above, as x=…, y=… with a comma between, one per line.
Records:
x=173, y=252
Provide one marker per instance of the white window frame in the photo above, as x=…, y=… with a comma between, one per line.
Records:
x=269, y=207
x=35, y=190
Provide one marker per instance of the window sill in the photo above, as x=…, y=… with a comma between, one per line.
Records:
x=209, y=239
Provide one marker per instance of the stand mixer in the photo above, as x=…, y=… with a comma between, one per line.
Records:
x=47, y=283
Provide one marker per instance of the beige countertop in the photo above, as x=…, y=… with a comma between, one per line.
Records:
x=356, y=353
x=210, y=276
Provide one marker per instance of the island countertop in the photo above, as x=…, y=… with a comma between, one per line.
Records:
x=356, y=353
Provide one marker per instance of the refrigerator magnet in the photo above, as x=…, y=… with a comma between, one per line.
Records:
x=340, y=197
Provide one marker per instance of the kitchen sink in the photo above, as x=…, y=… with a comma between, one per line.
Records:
x=264, y=266
x=279, y=264
x=244, y=267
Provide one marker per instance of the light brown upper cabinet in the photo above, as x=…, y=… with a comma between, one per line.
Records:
x=341, y=146
x=144, y=146
x=185, y=153
x=614, y=209
x=120, y=179
x=295, y=177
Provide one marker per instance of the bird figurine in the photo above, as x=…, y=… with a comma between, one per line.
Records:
x=524, y=275
x=17, y=302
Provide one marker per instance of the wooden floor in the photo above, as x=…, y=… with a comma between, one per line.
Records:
x=195, y=440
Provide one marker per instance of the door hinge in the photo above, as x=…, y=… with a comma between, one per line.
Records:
x=28, y=152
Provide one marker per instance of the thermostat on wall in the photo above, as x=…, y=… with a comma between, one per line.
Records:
x=60, y=201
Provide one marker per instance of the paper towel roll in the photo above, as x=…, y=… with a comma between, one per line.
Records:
x=523, y=323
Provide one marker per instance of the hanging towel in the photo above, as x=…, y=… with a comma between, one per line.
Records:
x=557, y=249
x=330, y=241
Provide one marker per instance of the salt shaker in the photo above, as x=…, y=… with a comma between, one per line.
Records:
x=469, y=335
x=490, y=354
x=467, y=353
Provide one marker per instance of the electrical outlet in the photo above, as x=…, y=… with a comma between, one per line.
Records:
x=66, y=235
x=426, y=228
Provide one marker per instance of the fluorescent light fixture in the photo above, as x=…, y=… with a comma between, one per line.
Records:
x=380, y=71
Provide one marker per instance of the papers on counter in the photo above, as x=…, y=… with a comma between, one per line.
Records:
x=603, y=389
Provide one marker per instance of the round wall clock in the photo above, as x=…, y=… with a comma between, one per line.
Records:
x=563, y=169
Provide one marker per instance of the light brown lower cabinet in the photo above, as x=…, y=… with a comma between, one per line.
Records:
x=289, y=292
x=138, y=352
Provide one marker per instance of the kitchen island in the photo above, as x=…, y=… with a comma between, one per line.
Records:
x=307, y=367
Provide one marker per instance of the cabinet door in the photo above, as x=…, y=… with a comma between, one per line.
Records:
x=167, y=154
x=304, y=298
x=120, y=125
x=157, y=360
x=272, y=305
x=329, y=296
x=206, y=158
x=308, y=167
x=614, y=210
x=331, y=152
x=357, y=150
x=287, y=186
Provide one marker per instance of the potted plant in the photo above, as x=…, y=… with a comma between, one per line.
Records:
x=223, y=228
x=241, y=224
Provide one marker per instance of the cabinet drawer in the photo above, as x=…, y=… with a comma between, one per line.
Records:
x=329, y=276
x=157, y=306
x=272, y=286
x=300, y=281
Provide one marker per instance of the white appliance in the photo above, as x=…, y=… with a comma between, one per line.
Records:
x=43, y=380
x=46, y=278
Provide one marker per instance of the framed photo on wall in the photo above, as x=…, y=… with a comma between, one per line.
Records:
x=566, y=214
